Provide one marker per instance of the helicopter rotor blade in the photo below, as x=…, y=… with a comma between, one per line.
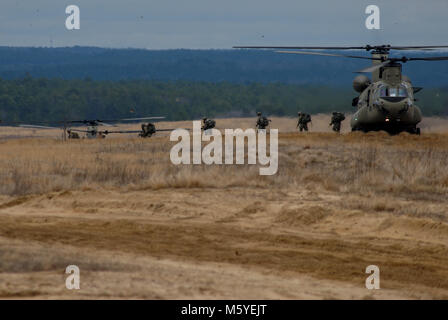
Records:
x=97, y=121
x=429, y=59
x=299, y=48
x=417, y=47
x=374, y=67
x=145, y=118
x=29, y=126
x=413, y=49
x=106, y=124
x=79, y=121
x=122, y=131
x=169, y=129
x=367, y=47
x=328, y=54
x=78, y=130
x=130, y=119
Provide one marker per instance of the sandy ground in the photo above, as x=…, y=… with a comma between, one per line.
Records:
x=284, y=237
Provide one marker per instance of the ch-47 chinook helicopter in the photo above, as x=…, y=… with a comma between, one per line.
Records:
x=92, y=131
x=386, y=101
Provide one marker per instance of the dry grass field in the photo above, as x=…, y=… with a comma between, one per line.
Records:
x=141, y=227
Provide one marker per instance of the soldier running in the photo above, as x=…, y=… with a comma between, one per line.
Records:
x=208, y=124
x=303, y=121
x=148, y=129
x=336, y=120
x=262, y=122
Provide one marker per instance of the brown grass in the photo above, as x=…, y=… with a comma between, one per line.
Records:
x=353, y=162
x=337, y=204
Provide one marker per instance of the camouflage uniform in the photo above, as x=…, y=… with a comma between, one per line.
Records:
x=262, y=122
x=208, y=124
x=148, y=129
x=336, y=120
x=302, y=123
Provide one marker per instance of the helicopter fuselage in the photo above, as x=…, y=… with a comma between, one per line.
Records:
x=387, y=104
x=92, y=132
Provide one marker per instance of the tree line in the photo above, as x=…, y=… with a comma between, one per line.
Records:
x=40, y=99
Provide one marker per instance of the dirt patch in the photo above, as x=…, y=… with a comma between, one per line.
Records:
x=303, y=216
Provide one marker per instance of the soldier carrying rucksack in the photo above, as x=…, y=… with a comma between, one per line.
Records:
x=262, y=122
x=336, y=120
x=304, y=119
x=208, y=124
x=148, y=129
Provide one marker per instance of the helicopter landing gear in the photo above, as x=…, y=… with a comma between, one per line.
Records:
x=414, y=130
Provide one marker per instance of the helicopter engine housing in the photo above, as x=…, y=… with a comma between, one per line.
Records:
x=360, y=83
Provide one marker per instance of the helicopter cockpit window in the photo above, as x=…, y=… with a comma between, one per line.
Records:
x=400, y=91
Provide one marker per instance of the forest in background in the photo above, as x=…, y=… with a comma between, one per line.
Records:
x=41, y=99
x=53, y=84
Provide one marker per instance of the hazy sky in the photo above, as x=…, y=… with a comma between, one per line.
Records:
x=201, y=24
